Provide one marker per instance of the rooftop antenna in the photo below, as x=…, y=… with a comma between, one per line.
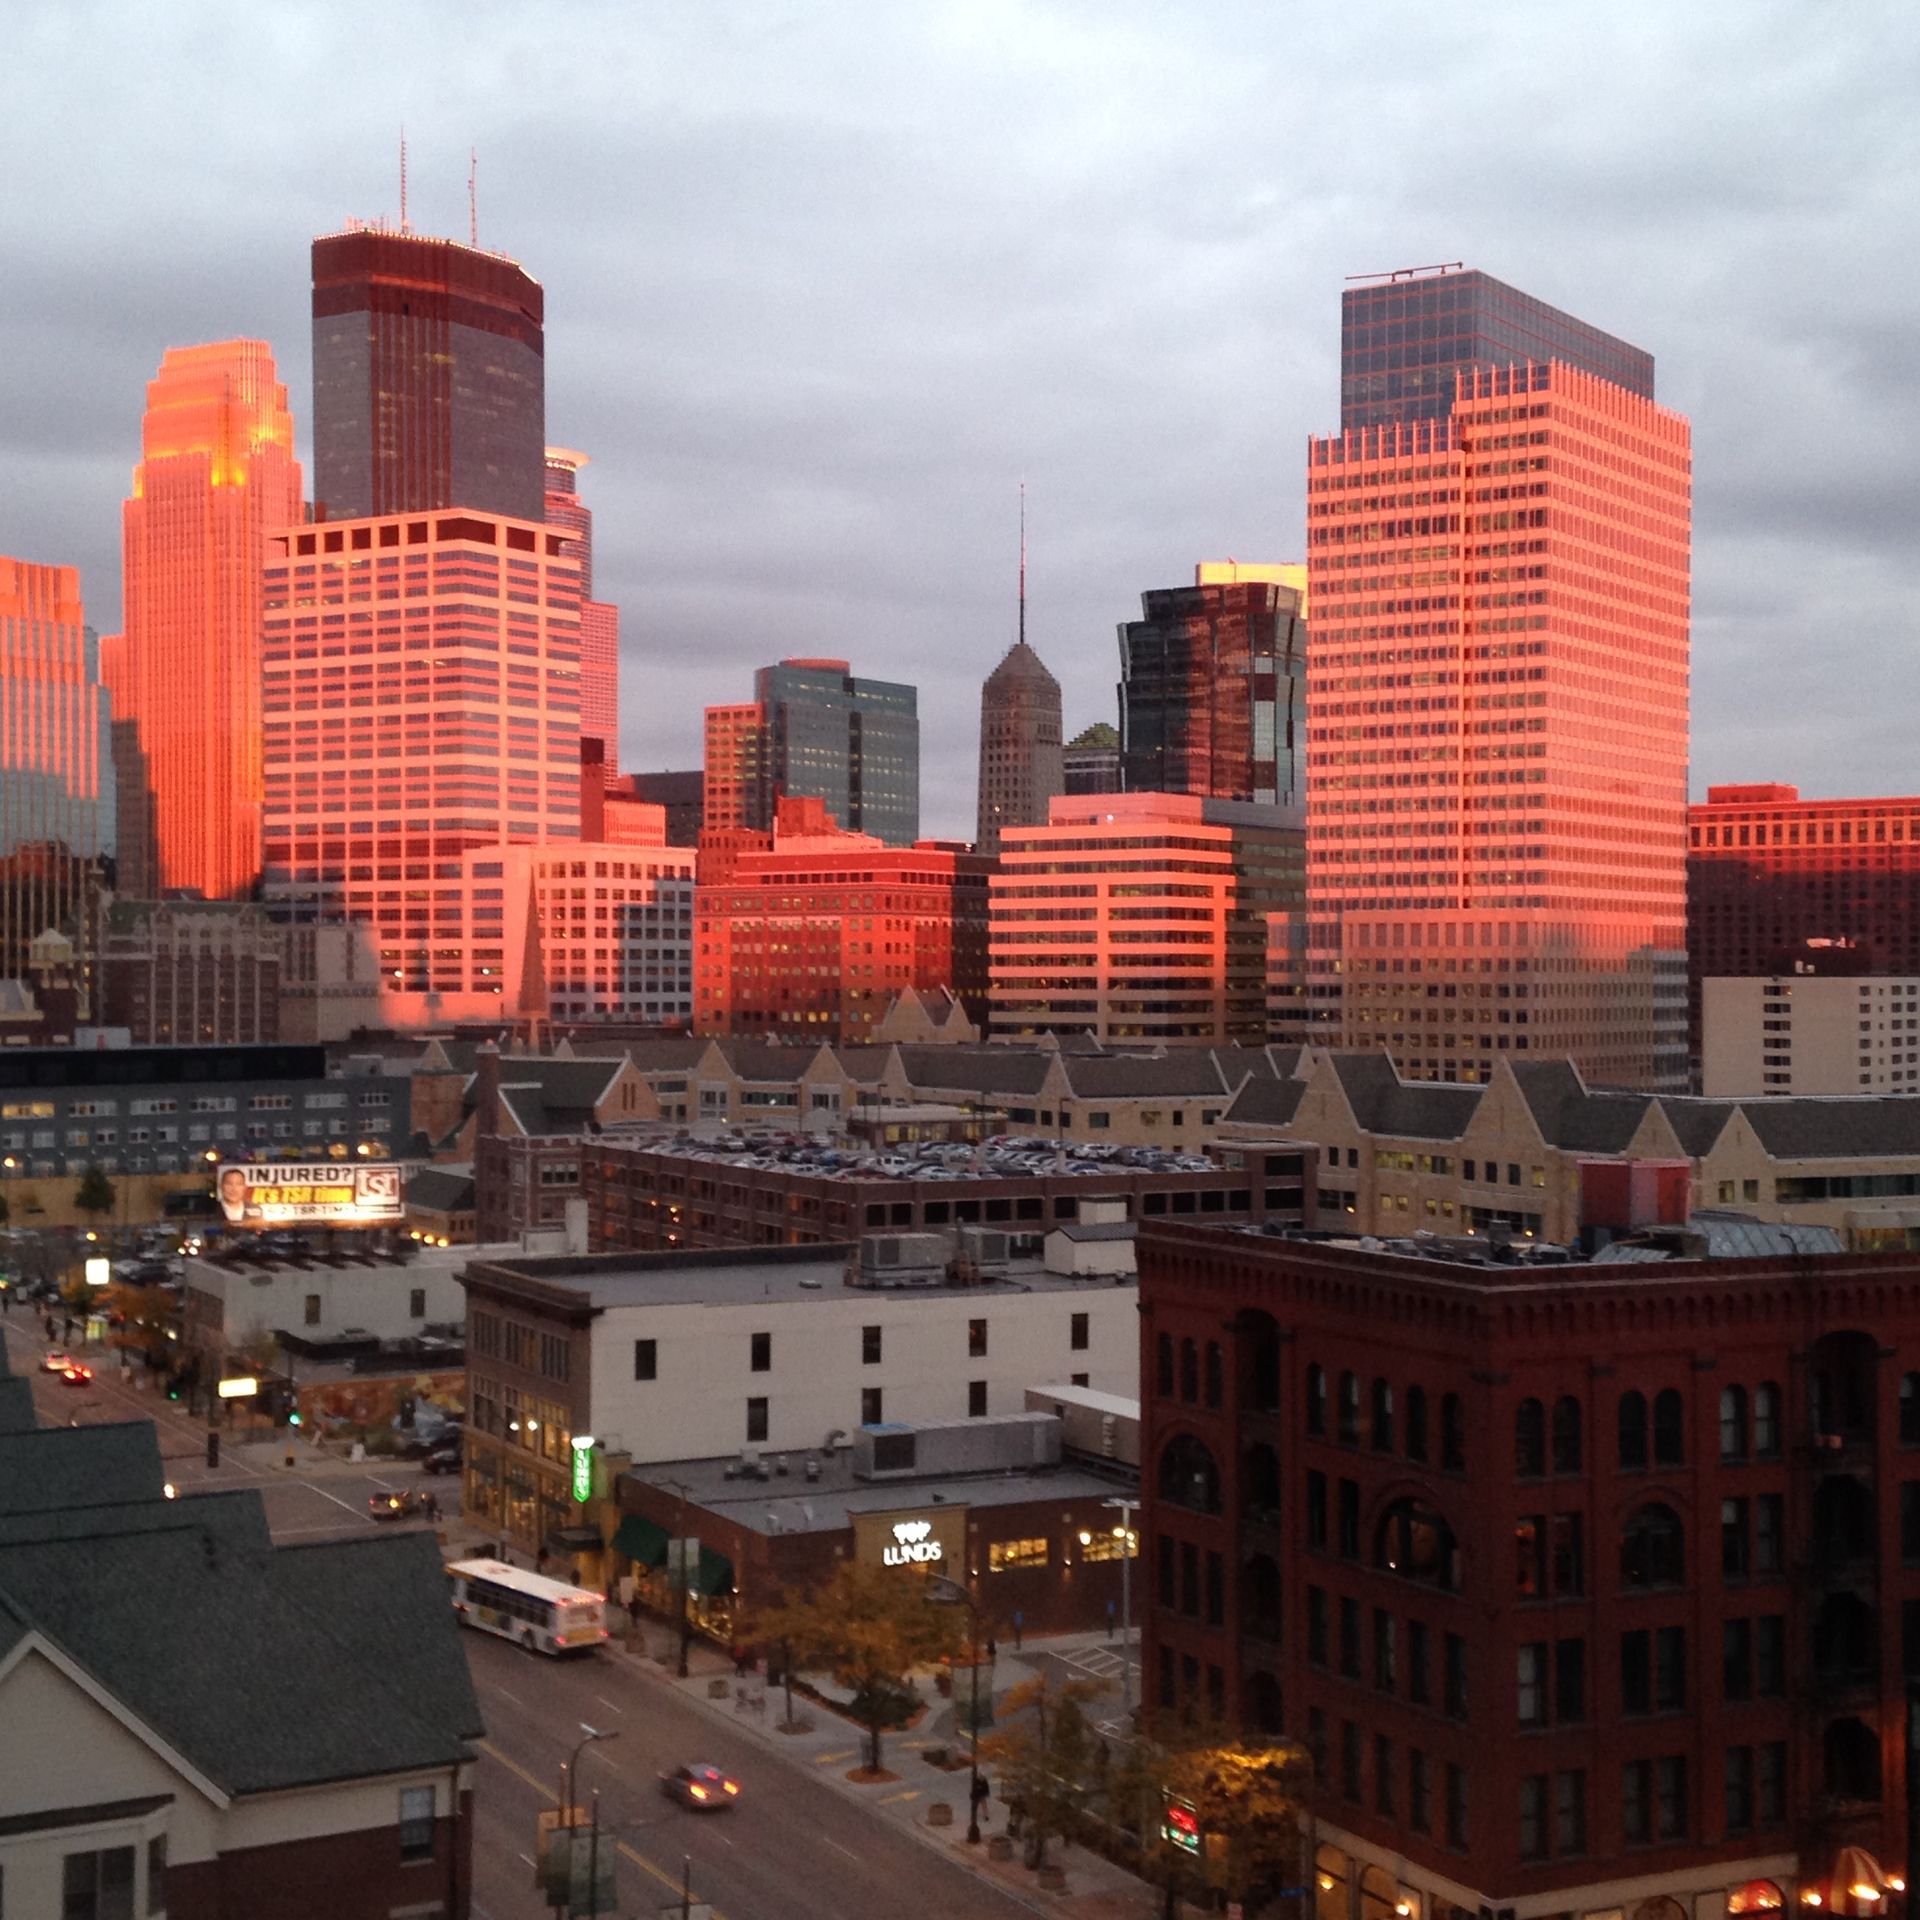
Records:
x=473, y=199
x=403, y=180
x=1023, y=563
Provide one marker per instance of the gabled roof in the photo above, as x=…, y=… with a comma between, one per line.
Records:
x=1179, y=1072
x=1266, y=1103
x=54, y=1469
x=1846, y=1126
x=1409, y=1109
x=548, y=1096
x=1574, y=1117
x=441, y=1189
x=996, y=1070
x=1698, y=1124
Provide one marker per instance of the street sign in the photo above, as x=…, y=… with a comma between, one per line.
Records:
x=239, y=1389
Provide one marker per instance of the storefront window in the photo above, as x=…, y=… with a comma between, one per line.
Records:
x=1332, y=1897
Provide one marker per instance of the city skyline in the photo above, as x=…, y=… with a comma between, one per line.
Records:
x=847, y=470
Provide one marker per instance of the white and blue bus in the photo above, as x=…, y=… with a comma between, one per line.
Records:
x=545, y=1615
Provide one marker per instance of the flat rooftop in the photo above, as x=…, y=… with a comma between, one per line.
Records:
x=739, y=1277
x=791, y=1503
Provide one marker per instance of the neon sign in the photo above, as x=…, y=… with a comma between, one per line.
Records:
x=583, y=1467
x=911, y=1545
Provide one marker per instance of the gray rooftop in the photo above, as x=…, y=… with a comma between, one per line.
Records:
x=719, y=1277
x=792, y=1504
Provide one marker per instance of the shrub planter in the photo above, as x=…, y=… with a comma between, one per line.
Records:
x=999, y=1847
x=936, y=1756
x=1052, y=1879
x=718, y=1689
x=940, y=1814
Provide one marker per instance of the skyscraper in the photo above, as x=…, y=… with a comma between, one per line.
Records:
x=813, y=730
x=1497, y=710
x=429, y=378
x=1212, y=685
x=217, y=475
x=1092, y=760
x=437, y=711
x=599, y=620
x=1405, y=338
x=1020, y=764
x=55, y=801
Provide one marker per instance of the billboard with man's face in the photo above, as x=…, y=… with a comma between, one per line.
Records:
x=326, y=1195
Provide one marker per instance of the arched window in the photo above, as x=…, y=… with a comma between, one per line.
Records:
x=1261, y=1479
x=1350, y=1409
x=1316, y=1399
x=1417, y=1423
x=1842, y=1372
x=1633, y=1431
x=1530, y=1440
x=1163, y=1364
x=1189, y=1372
x=1733, y=1423
x=1215, y=1386
x=1845, y=1533
x=1850, y=1754
x=1260, y=1590
x=1264, y=1712
x=1382, y=1417
x=1259, y=1351
x=1910, y=1409
x=1669, y=1428
x=1766, y=1421
x=1846, y=1650
x=1566, y=1434
x=1415, y=1541
x=1453, y=1434
x=1188, y=1476
x=1379, y=1894
x=1757, y=1896
x=1653, y=1549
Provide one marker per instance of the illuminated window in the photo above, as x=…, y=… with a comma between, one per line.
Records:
x=1003, y=1556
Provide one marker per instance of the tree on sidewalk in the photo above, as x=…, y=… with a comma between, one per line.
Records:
x=870, y=1627
x=1045, y=1754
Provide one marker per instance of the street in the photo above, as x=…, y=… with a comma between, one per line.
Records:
x=793, y=1848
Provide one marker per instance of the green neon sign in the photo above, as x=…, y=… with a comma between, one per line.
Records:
x=583, y=1468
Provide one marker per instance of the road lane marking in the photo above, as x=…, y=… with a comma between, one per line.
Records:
x=833, y=1759
x=639, y=1859
x=605, y=1702
x=832, y=1842
x=529, y=1859
x=894, y=1799
x=514, y=1697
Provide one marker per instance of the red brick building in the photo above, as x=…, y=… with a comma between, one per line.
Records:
x=1591, y=1588
x=809, y=933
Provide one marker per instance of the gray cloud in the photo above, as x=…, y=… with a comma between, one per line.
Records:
x=826, y=281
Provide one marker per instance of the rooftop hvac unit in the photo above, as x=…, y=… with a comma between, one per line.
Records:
x=985, y=1246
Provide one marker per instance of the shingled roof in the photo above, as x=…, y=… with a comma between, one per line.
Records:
x=265, y=1668
x=1409, y=1109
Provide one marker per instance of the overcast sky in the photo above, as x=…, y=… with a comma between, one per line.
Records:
x=825, y=282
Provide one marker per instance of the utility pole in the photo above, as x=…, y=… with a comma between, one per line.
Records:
x=1129, y=1540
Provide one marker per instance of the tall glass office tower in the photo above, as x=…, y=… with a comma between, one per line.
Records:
x=429, y=378
x=1497, y=705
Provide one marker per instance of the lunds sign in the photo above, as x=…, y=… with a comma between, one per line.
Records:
x=912, y=1543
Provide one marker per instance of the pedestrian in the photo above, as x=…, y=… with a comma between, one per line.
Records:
x=982, y=1793
x=739, y=1661
x=993, y=1651
x=540, y=1561
x=1019, y=1621
x=633, y=1606
x=433, y=1506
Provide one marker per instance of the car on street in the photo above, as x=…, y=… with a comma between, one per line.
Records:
x=58, y=1361
x=77, y=1375
x=395, y=1506
x=444, y=1456
x=702, y=1786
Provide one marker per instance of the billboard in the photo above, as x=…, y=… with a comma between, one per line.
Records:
x=325, y=1195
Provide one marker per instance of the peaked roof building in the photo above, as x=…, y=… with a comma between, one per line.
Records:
x=1021, y=768
x=213, y=1699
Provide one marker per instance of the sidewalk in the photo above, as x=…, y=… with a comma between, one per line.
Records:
x=1095, y=1889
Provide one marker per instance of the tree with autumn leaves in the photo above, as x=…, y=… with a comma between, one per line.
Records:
x=872, y=1630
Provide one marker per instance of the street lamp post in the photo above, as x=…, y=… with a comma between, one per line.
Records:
x=570, y=1804
x=683, y=1625
x=1128, y=1538
x=950, y=1593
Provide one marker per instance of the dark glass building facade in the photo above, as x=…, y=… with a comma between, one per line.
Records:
x=1213, y=692
x=1403, y=340
x=429, y=378
x=853, y=743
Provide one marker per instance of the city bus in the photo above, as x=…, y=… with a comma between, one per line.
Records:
x=546, y=1615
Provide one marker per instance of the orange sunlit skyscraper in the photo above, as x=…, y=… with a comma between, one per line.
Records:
x=1497, y=694
x=217, y=475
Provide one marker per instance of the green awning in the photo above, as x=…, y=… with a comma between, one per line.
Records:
x=641, y=1541
x=715, y=1575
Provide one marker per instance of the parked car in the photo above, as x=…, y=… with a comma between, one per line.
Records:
x=58, y=1361
x=428, y=1438
x=701, y=1786
x=445, y=1456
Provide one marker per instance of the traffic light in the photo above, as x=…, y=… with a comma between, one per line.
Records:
x=1181, y=1828
x=173, y=1389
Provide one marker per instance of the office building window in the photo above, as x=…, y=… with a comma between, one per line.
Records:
x=757, y=1418
x=646, y=1359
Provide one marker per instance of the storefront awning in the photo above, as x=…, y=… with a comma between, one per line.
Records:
x=715, y=1575
x=644, y=1543
x=574, y=1539
x=1859, y=1884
